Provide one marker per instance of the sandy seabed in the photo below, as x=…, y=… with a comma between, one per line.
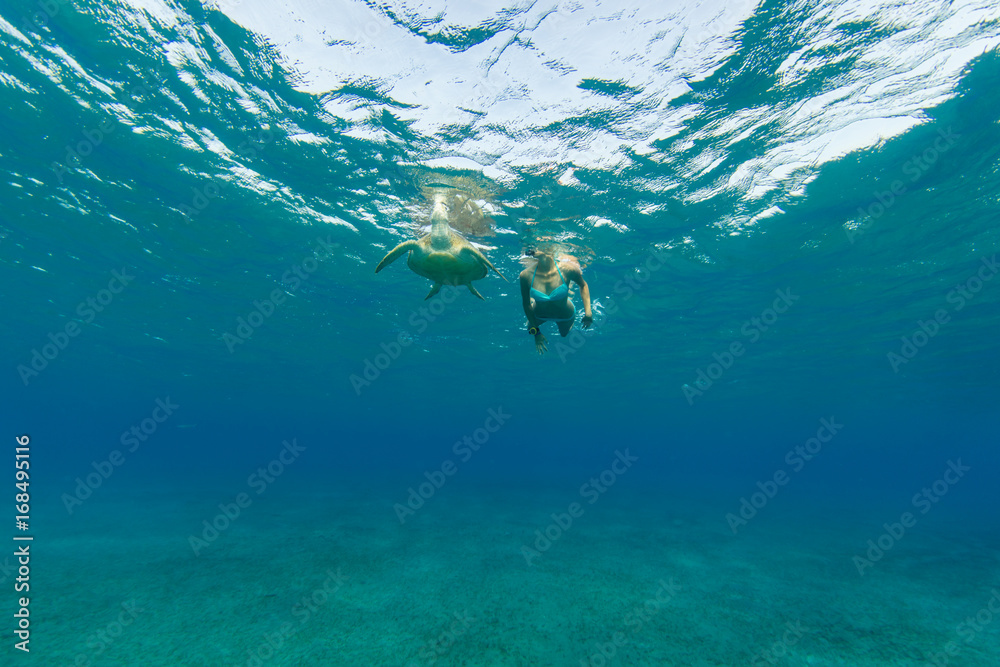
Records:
x=326, y=574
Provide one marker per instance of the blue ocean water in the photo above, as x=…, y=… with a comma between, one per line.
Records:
x=776, y=445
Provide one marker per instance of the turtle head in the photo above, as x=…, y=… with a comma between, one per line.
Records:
x=440, y=231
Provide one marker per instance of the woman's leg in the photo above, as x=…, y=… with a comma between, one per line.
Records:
x=566, y=325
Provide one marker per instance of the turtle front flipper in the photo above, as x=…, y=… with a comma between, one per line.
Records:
x=473, y=290
x=434, y=290
x=482, y=258
x=395, y=254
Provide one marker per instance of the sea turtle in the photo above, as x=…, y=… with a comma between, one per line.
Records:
x=443, y=256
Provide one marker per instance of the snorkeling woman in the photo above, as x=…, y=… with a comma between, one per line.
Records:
x=545, y=295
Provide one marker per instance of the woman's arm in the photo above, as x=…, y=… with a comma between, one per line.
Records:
x=526, y=299
x=576, y=275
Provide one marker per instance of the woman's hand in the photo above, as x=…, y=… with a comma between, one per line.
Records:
x=540, y=343
x=587, y=321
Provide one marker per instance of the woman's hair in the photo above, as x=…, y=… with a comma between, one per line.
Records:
x=530, y=251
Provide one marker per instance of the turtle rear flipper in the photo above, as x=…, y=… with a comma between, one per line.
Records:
x=473, y=290
x=434, y=290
